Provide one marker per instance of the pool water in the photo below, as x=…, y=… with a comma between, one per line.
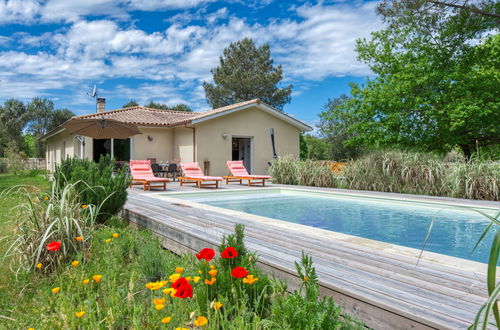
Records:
x=454, y=233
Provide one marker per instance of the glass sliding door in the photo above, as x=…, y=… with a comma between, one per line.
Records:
x=119, y=149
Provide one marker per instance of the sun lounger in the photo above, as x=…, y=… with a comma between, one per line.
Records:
x=191, y=173
x=142, y=174
x=239, y=173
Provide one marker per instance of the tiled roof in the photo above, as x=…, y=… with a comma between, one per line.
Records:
x=142, y=116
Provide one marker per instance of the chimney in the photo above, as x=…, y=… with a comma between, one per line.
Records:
x=101, y=104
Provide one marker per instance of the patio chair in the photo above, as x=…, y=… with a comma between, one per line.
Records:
x=172, y=169
x=238, y=173
x=142, y=174
x=192, y=174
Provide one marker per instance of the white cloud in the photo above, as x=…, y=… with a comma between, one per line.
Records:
x=318, y=43
x=18, y=11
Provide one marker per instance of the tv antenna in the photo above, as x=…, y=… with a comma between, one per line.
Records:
x=94, y=92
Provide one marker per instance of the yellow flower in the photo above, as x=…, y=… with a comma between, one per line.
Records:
x=179, y=269
x=80, y=314
x=79, y=238
x=305, y=279
x=196, y=279
x=31, y=328
x=200, y=321
x=39, y=266
x=46, y=198
x=56, y=290
x=75, y=263
x=216, y=305
x=86, y=281
x=250, y=279
x=211, y=281
x=160, y=306
x=213, y=272
x=84, y=206
x=179, y=328
x=212, y=267
x=200, y=272
x=159, y=301
x=174, y=277
x=116, y=235
x=97, y=278
x=170, y=291
x=107, y=240
x=166, y=320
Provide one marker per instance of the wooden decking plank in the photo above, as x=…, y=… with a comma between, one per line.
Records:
x=455, y=280
x=432, y=294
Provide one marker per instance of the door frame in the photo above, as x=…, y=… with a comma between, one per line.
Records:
x=251, y=149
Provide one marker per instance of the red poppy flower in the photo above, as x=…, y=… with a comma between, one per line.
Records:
x=179, y=283
x=207, y=254
x=54, y=246
x=229, y=253
x=184, y=291
x=239, y=272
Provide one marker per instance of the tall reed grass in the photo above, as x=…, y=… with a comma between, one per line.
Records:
x=399, y=172
x=44, y=217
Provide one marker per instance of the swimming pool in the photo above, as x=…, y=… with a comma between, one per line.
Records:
x=454, y=233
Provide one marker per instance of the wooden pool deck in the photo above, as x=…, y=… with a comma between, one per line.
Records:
x=385, y=290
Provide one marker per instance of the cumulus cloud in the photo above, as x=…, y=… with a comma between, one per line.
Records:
x=316, y=42
x=18, y=11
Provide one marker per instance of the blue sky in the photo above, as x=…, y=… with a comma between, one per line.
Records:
x=162, y=50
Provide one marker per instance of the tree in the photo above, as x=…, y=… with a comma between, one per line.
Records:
x=131, y=103
x=40, y=114
x=333, y=127
x=59, y=116
x=436, y=86
x=181, y=107
x=246, y=72
x=161, y=106
x=13, y=117
x=313, y=147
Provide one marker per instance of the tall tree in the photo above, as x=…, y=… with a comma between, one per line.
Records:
x=40, y=114
x=131, y=103
x=59, y=116
x=13, y=118
x=333, y=127
x=246, y=72
x=437, y=77
x=161, y=106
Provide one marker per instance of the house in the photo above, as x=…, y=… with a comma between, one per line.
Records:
x=251, y=131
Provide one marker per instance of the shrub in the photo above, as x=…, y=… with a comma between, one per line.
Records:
x=394, y=171
x=3, y=165
x=288, y=170
x=44, y=220
x=96, y=183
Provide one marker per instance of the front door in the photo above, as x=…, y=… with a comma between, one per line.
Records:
x=242, y=150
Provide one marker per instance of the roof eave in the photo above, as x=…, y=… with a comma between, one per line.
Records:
x=267, y=108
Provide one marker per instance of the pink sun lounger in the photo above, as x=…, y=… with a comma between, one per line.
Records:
x=192, y=174
x=240, y=173
x=142, y=174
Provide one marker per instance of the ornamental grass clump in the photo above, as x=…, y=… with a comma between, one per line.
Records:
x=288, y=170
x=50, y=228
x=475, y=180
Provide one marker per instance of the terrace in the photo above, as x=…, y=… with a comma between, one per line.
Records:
x=384, y=285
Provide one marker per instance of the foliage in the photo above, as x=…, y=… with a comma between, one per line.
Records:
x=304, y=309
x=131, y=103
x=436, y=85
x=15, y=160
x=177, y=107
x=13, y=117
x=398, y=172
x=334, y=129
x=246, y=72
x=313, y=147
x=107, y=187
x=43, y=218
x=121, y=299
x=288, y=170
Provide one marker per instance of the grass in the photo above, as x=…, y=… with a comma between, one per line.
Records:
x=128, y=259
